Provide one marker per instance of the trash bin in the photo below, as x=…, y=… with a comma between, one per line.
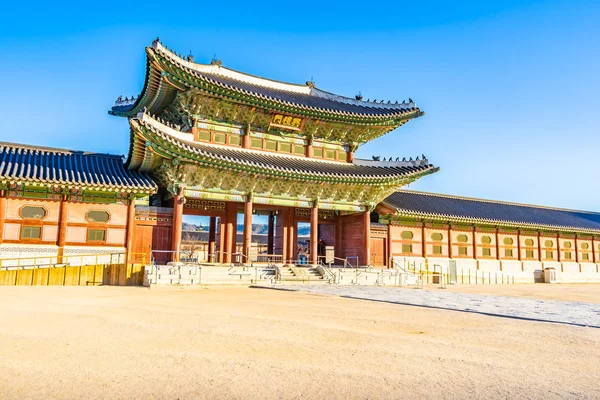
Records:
x=549, y=275
x=302, y=259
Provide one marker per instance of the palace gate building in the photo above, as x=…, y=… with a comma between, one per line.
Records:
x=211, y=141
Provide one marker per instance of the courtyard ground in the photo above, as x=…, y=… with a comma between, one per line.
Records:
x=128, y=342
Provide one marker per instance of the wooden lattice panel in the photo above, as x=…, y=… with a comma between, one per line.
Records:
x=207, y=205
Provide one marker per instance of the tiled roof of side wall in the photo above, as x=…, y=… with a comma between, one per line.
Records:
x=460, y=208
x=23, y=163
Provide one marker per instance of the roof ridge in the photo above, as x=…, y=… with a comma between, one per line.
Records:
x=308, y=89
x=58, y=150
x=510, y=203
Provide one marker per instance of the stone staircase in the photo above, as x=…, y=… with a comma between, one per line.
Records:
x=291, y=273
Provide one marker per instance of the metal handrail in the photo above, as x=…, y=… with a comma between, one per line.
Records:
x=66, y=260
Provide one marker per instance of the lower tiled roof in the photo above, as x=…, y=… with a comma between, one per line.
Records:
x=278, y=164
x=462, y=209
x=32, y=164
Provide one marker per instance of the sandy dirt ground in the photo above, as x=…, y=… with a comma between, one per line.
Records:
x=124, y=342
x=587, y=293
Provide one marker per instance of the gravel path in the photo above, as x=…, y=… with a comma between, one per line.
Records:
x=565, y=312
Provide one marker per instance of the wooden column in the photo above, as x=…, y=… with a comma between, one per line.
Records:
x=594, y=250
x=247, y=229
x=475, y=246
x=498, y=246
x=246, y=138
x=62, y=228
x=314, y=233
x=350, y=156
x=229, y=246
x=424, y=241
x=309, y=149
x=222, y=235
x=291, y=229
x=367, y=230
x=577, y=252
x=271, y=233
x=130, y=230
x=539, y=246
x=177, y=225
x=212, y=232
x=194, y=130
x=519, y=257
x=449, y=240
x=389, y=264
x=2, y=213
x=558, y=249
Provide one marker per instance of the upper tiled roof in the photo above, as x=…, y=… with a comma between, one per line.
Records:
x=305, y=97
x=293, y=166
x=32, y=164
x=463, y=209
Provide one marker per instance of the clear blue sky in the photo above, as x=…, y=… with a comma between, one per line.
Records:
x=511, y=89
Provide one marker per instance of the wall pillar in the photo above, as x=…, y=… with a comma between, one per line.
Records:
x=338, y=236
x=130, y=230
x=62, y=228
x=539, y=246
x=2, y=212
x=178, y=201
x=247, y=229
x=270, y=234
x=367, y=234
x=212, y=231
x=577, y=252
x=519, y=257
x=314, y=233
x=498, y=246
x=449, y=240
x=424, y=241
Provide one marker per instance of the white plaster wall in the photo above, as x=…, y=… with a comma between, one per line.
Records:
x=570, y=267
x=511, y=266
x=589, y=268
x=489, y=265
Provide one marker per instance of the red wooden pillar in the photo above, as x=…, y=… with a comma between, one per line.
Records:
x=247, y=229
x=177, y=225
x=2, y=212
x=291, y=229
x=230, y=232
x=367, y=235
x=309, y=149
x=212, y=230
x=314, y=233
x=270, y=233
x=62, y=228
x=194, y=130
x=222, y=238
x=130, y=230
